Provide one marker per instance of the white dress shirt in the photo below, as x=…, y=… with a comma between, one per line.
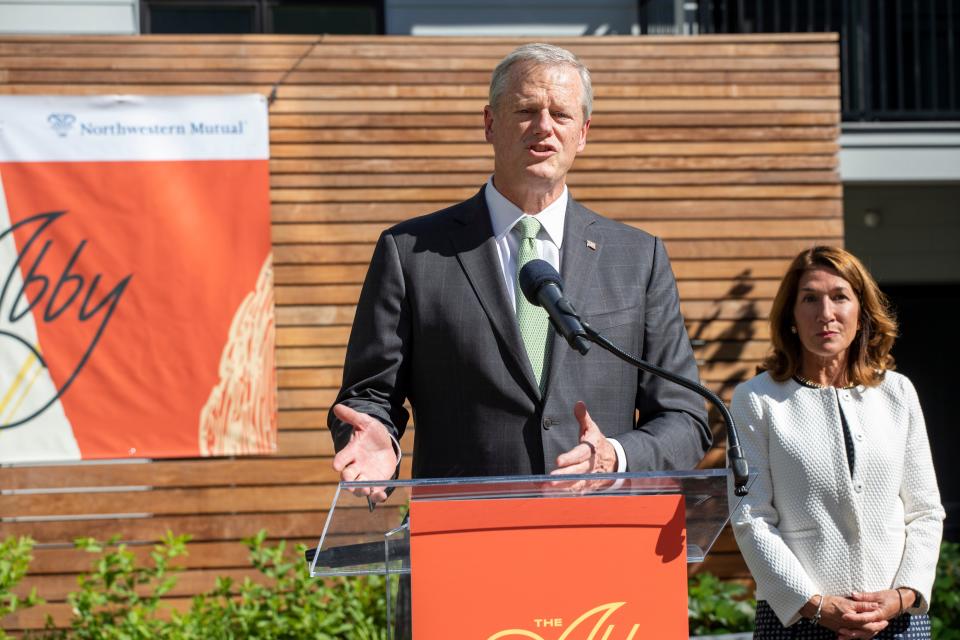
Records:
x=504, y=215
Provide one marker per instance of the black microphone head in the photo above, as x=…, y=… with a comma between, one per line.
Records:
x=534, y=275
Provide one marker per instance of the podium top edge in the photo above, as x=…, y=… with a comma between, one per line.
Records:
x=695, y=474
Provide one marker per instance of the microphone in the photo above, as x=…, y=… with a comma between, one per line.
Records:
x=543, y=287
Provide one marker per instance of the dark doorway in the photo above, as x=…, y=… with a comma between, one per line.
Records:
x=928, y=353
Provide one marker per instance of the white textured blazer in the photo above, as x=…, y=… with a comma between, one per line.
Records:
x=807, y=527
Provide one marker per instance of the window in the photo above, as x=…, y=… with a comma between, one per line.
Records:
x=261, y=16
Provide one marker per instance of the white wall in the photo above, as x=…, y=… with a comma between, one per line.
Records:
x=510, y=17
x=879, y=152
x=69, y=16
x=905, y=233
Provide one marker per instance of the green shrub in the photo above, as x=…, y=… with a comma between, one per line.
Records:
x=15, y=558
x=718, y=606
x=945, y=605
x=117, y=599
x=288, y=604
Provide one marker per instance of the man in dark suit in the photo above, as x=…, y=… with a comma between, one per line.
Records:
x=494, y=390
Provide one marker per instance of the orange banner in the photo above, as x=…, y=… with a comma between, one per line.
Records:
x=136, y=311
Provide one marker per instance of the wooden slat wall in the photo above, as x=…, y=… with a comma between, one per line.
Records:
x=726, y=146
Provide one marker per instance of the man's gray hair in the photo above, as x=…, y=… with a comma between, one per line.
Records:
x=545, y=55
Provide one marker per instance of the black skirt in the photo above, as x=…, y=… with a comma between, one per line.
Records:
x=768, y=627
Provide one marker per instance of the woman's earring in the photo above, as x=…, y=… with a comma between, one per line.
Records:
x=793, y=329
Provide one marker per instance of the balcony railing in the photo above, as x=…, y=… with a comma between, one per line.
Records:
x=899, y=58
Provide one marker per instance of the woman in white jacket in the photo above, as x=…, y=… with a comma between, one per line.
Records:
x=842, y=526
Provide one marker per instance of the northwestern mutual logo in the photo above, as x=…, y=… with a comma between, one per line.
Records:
x=61, y=123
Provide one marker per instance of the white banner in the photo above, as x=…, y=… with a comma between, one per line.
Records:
x=117, y=128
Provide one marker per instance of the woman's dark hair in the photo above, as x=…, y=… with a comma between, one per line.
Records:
x=869, y=354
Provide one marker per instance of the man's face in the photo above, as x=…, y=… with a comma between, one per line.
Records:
x=538, y=127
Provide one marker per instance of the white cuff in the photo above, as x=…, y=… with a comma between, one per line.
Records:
x=396, y=450
x=621, y=455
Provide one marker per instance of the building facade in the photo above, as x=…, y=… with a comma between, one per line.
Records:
x=900, y=143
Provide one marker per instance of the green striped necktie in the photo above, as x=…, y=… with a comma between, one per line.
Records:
x=533, y=320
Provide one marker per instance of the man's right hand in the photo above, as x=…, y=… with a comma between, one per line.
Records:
x=368, y=456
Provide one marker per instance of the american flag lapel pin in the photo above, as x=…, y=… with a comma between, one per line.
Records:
x=591, y=245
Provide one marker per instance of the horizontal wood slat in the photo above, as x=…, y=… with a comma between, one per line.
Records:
x=724, y=145
x=580, y=179
x=684, y=270
x=167, y=473
x=337, y=335
x=593, y=150
x=728, y=309
x=435, y=121
x=353, y=253
x=344, y=294
x=336, y=233
x=448, y=63
x=202, y=555
x=224, y=527
x=156, y=501
x=623, y=210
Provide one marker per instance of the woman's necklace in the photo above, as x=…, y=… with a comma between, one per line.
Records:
x=816, y=385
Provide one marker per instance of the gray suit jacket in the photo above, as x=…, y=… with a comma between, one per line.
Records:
x=434, y=325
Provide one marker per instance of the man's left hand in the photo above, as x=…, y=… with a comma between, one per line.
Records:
x=593, y=455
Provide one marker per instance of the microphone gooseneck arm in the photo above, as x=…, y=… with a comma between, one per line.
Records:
x=563, y=316
x=543, y=286
x=737, y=463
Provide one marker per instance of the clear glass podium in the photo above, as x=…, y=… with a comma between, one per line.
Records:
x=359, y=539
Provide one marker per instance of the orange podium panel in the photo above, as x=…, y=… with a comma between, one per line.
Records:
x=597, y=567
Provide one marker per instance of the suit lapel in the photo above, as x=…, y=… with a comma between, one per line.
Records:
x=577, y=264
x=477, y=252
